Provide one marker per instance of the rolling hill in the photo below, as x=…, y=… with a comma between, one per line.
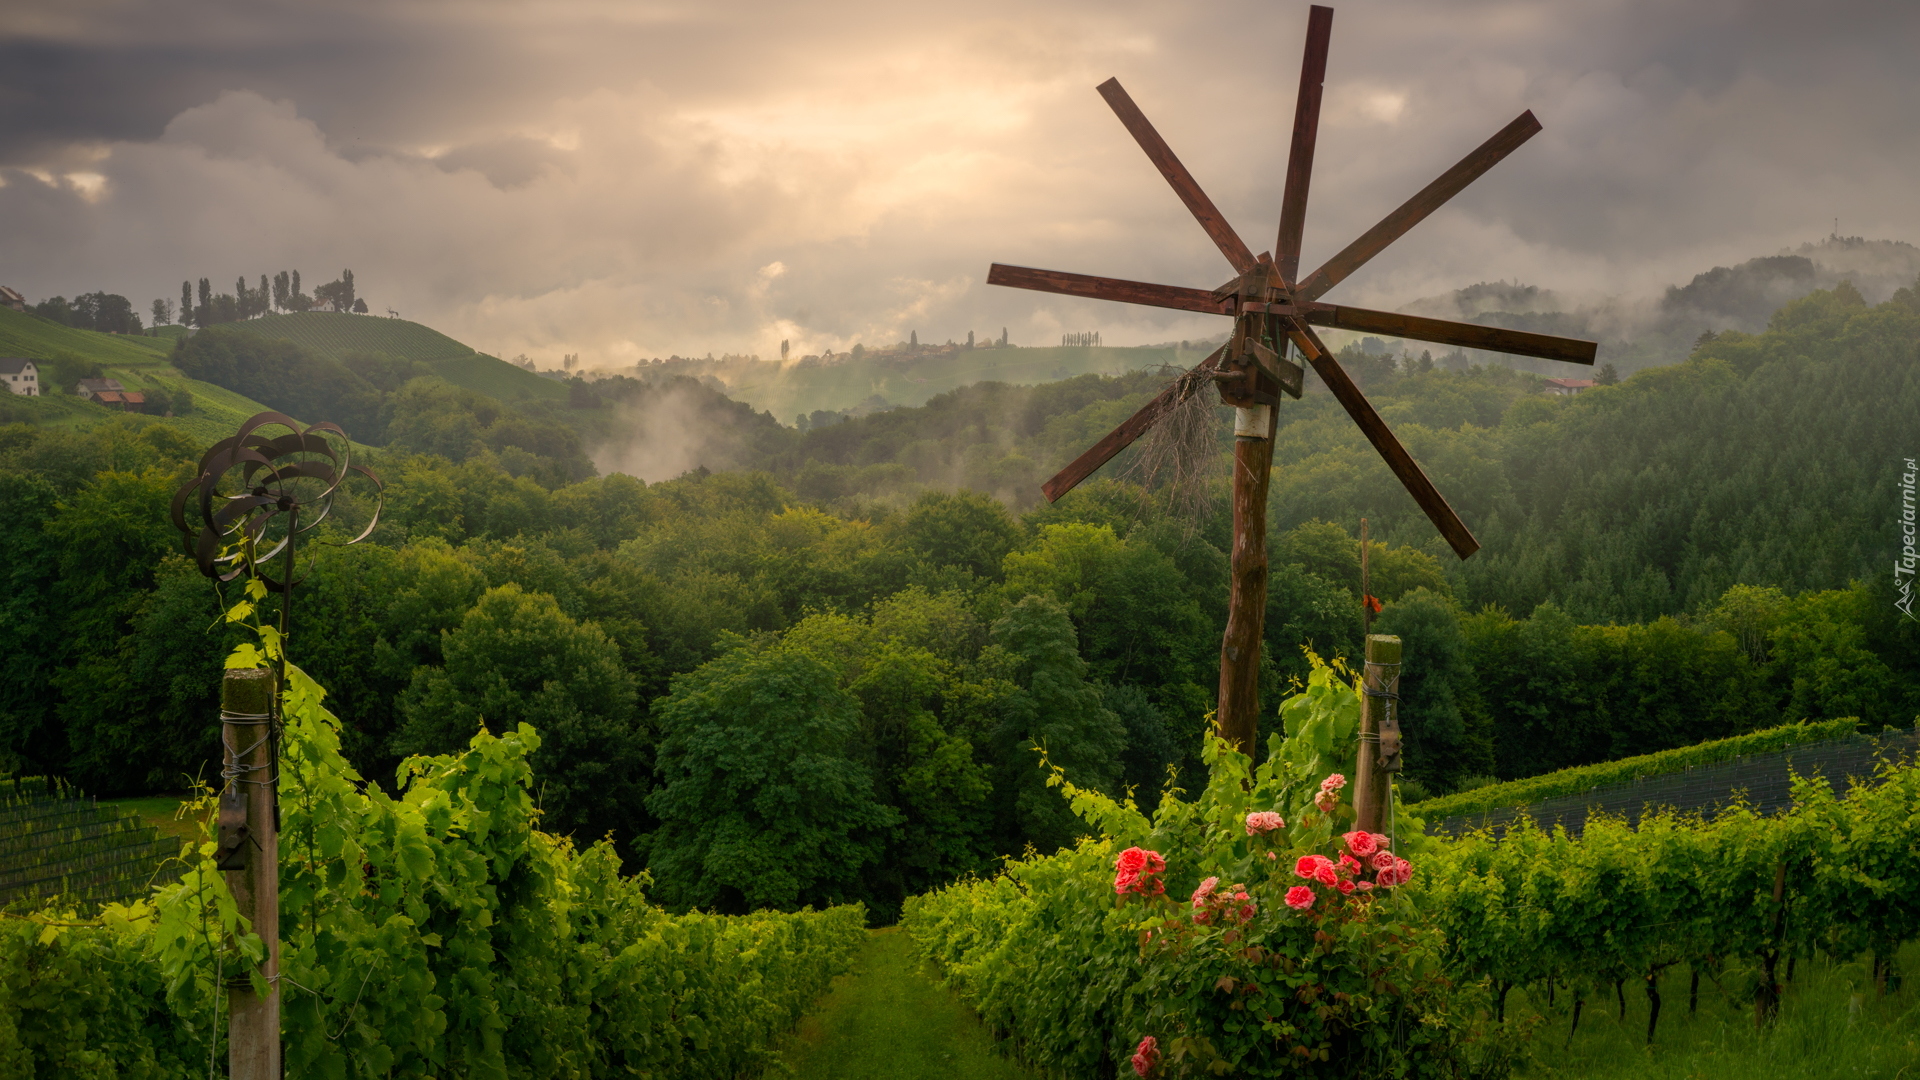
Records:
x=335, y=335
x=140, y=363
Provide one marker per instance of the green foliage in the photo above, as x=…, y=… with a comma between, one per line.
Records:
x=517, y=659
x=1625, y=902
x=432, y=933
x=1561, y=782
x=282, y=376
x=1448, y=736
x=762, y=802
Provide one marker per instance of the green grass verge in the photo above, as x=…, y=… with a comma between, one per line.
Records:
x=1832, y=1024
x=38, y=339
x=160, y=811
x=497, y=378
x=1573, y=781
x=889, y=1020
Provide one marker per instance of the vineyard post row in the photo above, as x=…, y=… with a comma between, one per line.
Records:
x=250, y=855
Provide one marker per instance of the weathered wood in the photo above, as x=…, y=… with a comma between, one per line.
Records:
x=1237, y=716
x=1447, y=332
x=1458, y=536
x=1288, y=375
x=1184, y=185
x=1306, y=128
x=1130, y=429
x=1371, y=784
x=1105, y=288
x=253, y=1022
x=1415, y=210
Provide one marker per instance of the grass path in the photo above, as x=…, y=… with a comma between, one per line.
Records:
x=888, y=1018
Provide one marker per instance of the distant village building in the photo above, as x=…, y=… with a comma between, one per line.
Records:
x=110, y=393
x=1568, y=387
x=19, y=374
x=12, y=299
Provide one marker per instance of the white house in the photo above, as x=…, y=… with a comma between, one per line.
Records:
x=1568, y=387
x=20, y=376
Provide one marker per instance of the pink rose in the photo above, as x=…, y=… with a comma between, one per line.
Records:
x=1345, y=886
x=1333, y=783
x=1147, y=1056
x=1155, y=864
x=1263, y=821
x=1299, y=898
x=1383, y=860
x=1201, y=894
x=1324, y=873
x=1398, y=874
x=1131, y=861
x=1360, y=842
x=1124, y=882
x=1309, y=866
x=1363, y=886
x=1326, y=801
x=1349, y=864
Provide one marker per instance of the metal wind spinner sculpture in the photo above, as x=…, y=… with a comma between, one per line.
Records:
x=254, y=497
x=1273, y=307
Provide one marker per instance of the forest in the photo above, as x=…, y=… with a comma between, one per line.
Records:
x=844, y=645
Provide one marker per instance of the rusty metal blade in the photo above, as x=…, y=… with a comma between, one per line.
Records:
x=1130, y=429
x=1306, y=126
x=1415, y=210
x=1106, y=288
x=1448, y=332
x=1184, y=185
x=1383, y=440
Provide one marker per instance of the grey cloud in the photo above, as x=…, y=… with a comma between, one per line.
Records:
x=615, y=180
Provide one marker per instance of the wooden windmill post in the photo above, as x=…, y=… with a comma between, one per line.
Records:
x=1273, y=308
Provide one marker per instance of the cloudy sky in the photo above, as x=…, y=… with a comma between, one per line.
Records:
x=627, y=179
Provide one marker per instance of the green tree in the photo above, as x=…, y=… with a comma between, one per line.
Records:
x=763, y=800
x=517, y=658
x=964, y=529
x=1447, y=737
x=1057, y=710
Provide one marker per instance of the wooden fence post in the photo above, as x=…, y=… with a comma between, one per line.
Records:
x=1379, y=754
x=248, y=825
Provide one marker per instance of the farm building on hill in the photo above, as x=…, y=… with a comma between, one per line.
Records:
x=12, y=299
x=110, y=393
x=20, y=375
x=1568, y=387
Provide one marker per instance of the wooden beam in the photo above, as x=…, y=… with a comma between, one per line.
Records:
x=1415, y=210
x=1306, y=128
x=1458, y=536
x=1184, y=185
x=1106, y=288
x=1448, y=332
x=1130, y=429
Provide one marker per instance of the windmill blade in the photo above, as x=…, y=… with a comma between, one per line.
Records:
x=1383, y=440
x=1130, y=429
x=1184, y=185
x=1306, y=127
x=1447, y=332
x=1106, y=288
x=1414, y=210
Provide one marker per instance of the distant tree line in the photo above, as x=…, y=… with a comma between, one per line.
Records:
x=109, y=313
x=1091, y=337
x=281, y=293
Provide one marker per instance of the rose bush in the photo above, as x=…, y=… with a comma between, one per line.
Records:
x=1293, y=954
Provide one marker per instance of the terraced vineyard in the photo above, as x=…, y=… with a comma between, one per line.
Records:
x=54, y=842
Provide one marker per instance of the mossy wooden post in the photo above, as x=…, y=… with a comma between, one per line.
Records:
x=1379, y=754
x=253, y=1025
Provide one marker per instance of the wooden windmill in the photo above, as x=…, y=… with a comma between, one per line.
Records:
x=1273, y=308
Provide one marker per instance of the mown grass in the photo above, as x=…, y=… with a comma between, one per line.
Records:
x=160, y=811
x=888, y=1019
x=1833, y=1025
